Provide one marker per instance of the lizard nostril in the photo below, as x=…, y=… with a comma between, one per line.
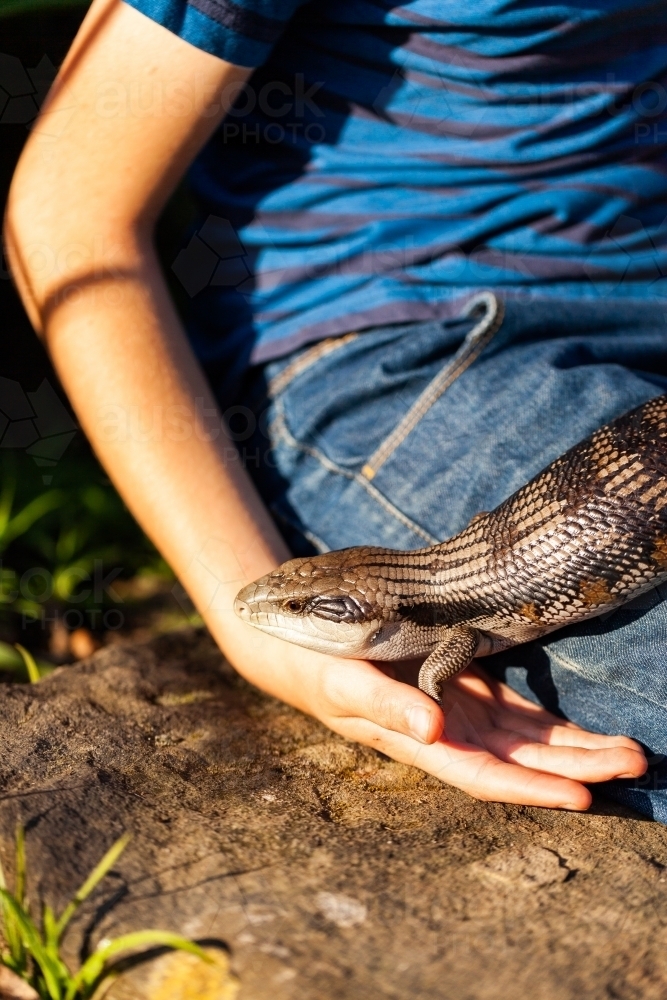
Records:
x=242, y=609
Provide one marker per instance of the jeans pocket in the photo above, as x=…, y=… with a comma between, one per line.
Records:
x=490, y=310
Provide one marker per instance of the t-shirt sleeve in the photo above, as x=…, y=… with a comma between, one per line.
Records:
x=242, y=32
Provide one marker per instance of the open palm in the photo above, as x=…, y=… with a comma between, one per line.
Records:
x=485, y=739
x=495, y=745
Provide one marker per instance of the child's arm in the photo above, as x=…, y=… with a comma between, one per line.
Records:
x=90, y=184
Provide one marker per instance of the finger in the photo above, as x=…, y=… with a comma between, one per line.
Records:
x=356, y=688
x=562, y=735
x=533, y=720
x=477, y=681
x=483, y=775
x=494, y=693
x=568, y=761
x=474, y=769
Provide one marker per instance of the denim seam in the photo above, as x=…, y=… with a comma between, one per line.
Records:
x=473, y=345
x=570, y=665
x=280, y=429
x=304, y=362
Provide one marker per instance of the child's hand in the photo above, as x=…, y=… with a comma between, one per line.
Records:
x=495, y=744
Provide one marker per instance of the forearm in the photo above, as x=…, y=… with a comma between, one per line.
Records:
x=144, y=404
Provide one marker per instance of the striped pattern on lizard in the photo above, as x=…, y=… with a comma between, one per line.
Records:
x=584, y=536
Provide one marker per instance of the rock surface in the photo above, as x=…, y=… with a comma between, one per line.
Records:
x=324, y=869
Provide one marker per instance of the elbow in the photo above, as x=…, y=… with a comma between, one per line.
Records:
x=16, y=244
x=28, y=196
x=30, y=236
x=58, y=245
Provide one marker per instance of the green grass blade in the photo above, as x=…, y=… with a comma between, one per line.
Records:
x=41, y=505
x=7, y=960
x=32, y=942
x=19, y=889
x=50, y=931
x=9, y=658
x=9, y=7
x=91, y=971
x=30, y=665
x=8, y=485
x=95, y=876
x=15, y=960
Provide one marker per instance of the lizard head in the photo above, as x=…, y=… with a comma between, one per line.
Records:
x=331, y=603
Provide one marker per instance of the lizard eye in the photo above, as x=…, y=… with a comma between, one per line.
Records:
x=293, y=605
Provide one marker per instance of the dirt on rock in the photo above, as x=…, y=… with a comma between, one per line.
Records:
x=314, y=868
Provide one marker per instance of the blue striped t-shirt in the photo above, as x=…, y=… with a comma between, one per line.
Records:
x=386, y=161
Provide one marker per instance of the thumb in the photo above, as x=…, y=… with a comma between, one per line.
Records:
x=356, y=688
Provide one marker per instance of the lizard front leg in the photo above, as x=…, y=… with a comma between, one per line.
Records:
x=452, y=654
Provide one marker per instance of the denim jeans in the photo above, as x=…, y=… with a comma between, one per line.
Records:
x=553, y=373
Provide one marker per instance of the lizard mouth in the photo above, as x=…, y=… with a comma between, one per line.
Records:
x=317, y=632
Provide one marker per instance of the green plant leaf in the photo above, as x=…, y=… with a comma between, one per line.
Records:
x=10, y=659
x=97, y=874
x=67, y=578
x=19, y=889
x=51, y=970
x=9, y=7
x=8, y=477
x=15, y=959
x=30, y=665
x=7, y=497
x=3, y=881
x=93, y=969
x=50, y=931
x=19, y=968
x=50, y=976
x=8, y=585
x=32, y=512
